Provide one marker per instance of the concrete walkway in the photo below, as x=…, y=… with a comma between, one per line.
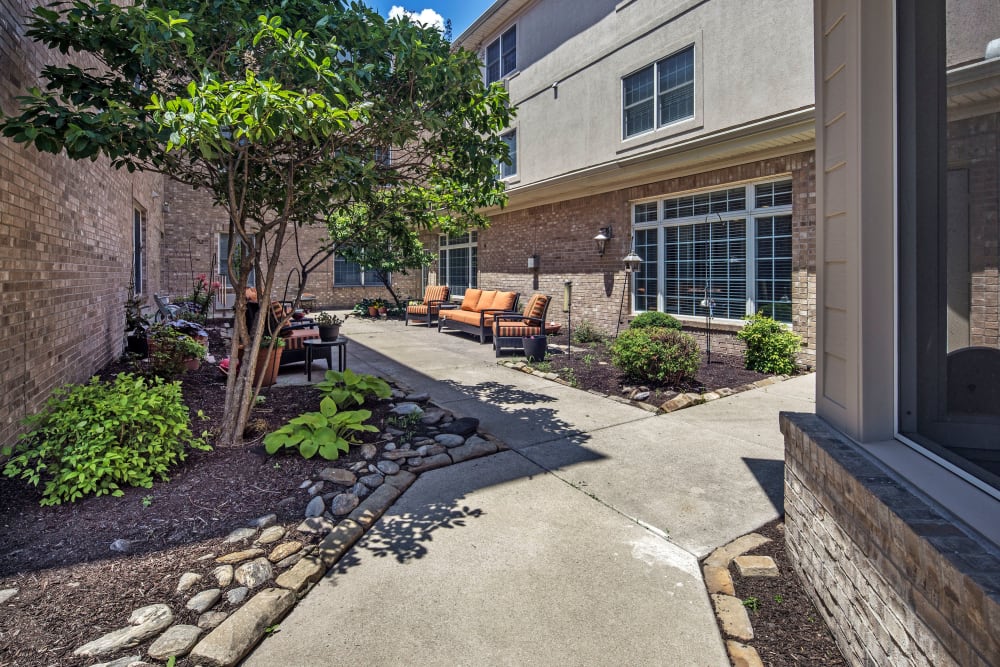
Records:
x=578, y=546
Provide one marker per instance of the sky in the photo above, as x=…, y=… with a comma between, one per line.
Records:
x=461, y=12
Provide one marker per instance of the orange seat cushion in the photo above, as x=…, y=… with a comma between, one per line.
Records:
x=515, y=330
x=471, y=300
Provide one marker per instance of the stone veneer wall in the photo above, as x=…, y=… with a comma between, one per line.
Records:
x=898, y=580
x=562, y=235
x=65, y=249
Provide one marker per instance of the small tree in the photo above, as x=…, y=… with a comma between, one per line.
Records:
x=278, y=109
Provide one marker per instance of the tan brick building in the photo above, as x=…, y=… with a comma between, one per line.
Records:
x=67, y=250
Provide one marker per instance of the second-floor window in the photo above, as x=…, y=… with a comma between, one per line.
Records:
x=508, y=170
x=501, y=56
x=659, y=94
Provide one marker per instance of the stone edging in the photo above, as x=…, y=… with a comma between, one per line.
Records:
x=232, y=639
x=678, y=402
x=729, y=610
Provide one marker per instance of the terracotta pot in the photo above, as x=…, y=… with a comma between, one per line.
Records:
x=192, y=364
x=268, y=362
x=372, y=311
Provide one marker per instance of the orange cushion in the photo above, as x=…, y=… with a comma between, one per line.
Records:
x=486, y=300
x=471, y=300
x=536, y=306
x=504, y=300
x=436, y=293
x=251, y=294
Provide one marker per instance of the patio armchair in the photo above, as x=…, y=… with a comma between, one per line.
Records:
x=434, y=297
x=510, y=329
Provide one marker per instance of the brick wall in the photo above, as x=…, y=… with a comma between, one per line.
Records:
x=65, y=250
x=974, y=145
x=191, y=246
x=562, y=237
x=898, y=580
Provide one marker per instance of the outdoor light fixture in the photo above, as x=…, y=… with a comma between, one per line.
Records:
x=632, y=261
x=602, y=239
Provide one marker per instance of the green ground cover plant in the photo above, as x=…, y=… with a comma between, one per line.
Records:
x=98, y=437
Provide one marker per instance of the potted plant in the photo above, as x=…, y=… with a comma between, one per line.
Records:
x=268, y=361
x=535, y=347
x=172, y=351
x=382, y=310
x=373, y=308
x=329, y=325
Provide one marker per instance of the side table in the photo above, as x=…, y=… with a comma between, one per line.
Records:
x=326, y=348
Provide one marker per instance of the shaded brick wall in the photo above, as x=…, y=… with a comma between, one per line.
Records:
x=974, y=145
x=191, y=246
x=562, y=237
x=65, y=250
x=897, y=579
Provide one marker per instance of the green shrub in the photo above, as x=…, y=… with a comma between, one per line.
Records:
x=327, y=432
x=169, y=349
x=653, y=318
x=656, y=354
x=352, y=386
x=585, y=332
x=99, y=437
x=771, y=347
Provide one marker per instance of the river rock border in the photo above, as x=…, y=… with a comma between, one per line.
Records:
x=634, y=395
x=282, y=571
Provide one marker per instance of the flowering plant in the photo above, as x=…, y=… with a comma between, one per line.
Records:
x=200, y=300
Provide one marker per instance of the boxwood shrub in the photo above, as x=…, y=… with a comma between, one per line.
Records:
x=654, y=318
x=656, y=355
x=771, y=347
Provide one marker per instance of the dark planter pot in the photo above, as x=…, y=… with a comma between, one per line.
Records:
x=535, y=347
x=328, y=332
x=137, y=344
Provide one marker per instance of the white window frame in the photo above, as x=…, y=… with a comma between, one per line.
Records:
x=445, y=246
x=138, y=249
x=501, y=41
x=749, y=215
x=507, y=171
x=657, y=93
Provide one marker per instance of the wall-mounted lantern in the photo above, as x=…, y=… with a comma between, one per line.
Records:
x=602, y=238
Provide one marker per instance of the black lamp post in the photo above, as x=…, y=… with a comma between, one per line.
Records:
x=632, y=263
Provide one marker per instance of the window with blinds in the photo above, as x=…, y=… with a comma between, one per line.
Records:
x=710, y=253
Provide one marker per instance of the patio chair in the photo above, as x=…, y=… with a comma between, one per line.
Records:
x=165, y=312
x=510, y=329
x=434, y=297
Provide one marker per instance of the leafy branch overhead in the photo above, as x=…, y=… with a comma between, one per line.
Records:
x=280, y=111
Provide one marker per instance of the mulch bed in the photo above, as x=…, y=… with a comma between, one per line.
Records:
x=588, y=366
x=788, y=631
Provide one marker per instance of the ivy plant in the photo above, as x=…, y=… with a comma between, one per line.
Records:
x=99, y=437
x=354, y=387
x=327, y=432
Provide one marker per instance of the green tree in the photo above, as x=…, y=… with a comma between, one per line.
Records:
x=280, y=110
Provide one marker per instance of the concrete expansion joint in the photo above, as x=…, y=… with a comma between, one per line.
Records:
x=729, y=610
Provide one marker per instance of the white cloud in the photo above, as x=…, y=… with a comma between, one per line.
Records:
x=427, y=17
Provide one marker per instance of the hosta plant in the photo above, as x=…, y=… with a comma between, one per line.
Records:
x=351, y=386
x=328, y=432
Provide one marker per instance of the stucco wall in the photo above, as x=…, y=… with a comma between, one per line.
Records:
x=65, y=250
x=752, y=63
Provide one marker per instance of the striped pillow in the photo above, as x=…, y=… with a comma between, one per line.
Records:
x=536, y=306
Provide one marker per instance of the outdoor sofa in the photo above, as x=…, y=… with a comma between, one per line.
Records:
x=475, y=314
